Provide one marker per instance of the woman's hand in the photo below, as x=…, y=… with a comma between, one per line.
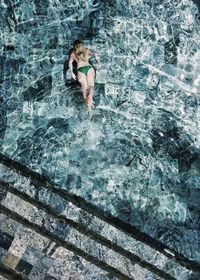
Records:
x=98, y=67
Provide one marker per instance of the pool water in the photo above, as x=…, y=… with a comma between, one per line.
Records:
x=137, y=159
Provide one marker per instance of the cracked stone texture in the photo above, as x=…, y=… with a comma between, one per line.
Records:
x=139, y=156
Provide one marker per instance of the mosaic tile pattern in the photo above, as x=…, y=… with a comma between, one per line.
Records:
x=138, y=159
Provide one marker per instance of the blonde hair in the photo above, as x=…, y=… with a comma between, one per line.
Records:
x=81, y=52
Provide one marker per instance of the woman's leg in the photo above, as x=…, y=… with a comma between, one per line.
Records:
x=83, y=81
x=90, y=83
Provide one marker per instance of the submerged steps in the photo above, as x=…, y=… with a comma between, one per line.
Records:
x=103, y=222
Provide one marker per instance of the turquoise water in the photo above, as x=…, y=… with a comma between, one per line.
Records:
x=138, y=158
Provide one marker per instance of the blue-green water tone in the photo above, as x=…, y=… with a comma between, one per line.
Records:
x=139, y=156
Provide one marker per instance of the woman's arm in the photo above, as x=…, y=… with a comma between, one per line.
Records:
x=71, y=59
x=93, y=53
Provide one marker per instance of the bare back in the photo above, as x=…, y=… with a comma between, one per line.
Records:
x=81, y=56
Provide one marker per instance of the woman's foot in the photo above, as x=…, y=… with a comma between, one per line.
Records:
x=90, y=112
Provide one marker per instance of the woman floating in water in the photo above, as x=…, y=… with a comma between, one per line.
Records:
x=85, y=71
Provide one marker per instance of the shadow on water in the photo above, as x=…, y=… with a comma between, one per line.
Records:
x=172, y=232
x=3, y=122
x=174, y=143
x=194, y=276
x=171, y=140
x=124, y=226
x=197, y=2
x=39, y=89
x=3, y=119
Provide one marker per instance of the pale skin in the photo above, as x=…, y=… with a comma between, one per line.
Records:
x=81, y=56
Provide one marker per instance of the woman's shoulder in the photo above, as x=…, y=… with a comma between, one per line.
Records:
x=72, y=54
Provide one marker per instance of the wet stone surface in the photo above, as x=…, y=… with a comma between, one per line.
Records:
x=138, y=158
